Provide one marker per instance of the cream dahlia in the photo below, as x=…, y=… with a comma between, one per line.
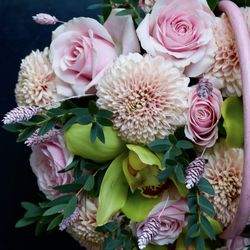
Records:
x=225, y=71
x=147, y=95
x=224, y=172
x=36, y=80
x=83, y=229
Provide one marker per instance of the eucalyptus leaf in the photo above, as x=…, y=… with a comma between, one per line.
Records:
x=90, y=183
x=55, y=222
x=25, y=222
x=207, y=228
x=61, y=200
x=70, y=207
x=26, y=133
x=159, y=146
x=99, y=6
x=67, y=188
x=206, y=206
x=47, y=127
x=125, y=12
x=205, y=186
x=199, y=243
x=54, y=210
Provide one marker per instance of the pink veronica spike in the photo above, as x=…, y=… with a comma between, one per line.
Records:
x=243, y=44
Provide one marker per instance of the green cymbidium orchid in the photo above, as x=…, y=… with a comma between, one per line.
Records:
x=141, y=169
x=232, y=112
x=79, y=143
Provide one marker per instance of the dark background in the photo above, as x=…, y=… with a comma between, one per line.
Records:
x=18, y=36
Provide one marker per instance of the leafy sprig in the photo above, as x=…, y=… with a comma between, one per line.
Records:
x=198, y=223
x=175, y=158
x=119, y=235
x=64, y=117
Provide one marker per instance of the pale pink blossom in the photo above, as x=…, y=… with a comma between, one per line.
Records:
x=181, y=31
x=45, y=19
x=46, y=160
x=203, y=116
x=172, y=216
x=82, y=48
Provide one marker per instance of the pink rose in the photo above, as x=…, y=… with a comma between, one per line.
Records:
x=146, y=5
x=181, y=31
x=46, y=160
x=172, y=216
x=82, y=48
x=204, y=113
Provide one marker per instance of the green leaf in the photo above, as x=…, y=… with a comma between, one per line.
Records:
x=193, y=231
x=70, y=122
x=56, y=112
x=159, y=145
x=93, y=109
x=55, y=222
x=172, y=139
x=26, y=133
x=47, y=127
x=84, y=120
x=192, y=219
x=100, y=133
x=112, y=244
x=90, y=183
x=232, y=112
x=179, y=173
x=61, y=200
x=41, y=225
x=93, y=132
x=54, y=210
x=71, y=166
x=104, y=121
x=113, y=193
x=183, y=191
x=25, y=222
x=67, y=188
x=205, y=186
x=108, y=227
x=13, y=128
x=137, y=207
x=125, y=12
x=163, y=175
x=184, y=144
x=206, y=206
x=99, y=6
x=70, y=208
x=35, y=212
x=200, y=243
x=105, y=113
x=207, y=228
x=29, y=205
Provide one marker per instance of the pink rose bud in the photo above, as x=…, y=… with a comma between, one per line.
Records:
x=203, y=115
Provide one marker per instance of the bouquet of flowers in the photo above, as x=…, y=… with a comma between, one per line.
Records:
x=136, y=126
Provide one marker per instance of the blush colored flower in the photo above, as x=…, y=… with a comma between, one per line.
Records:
x=36, y=80
x=181, y=31
x=83, y=230
x=46, y=160
x=82, y=48
x=172, y=217
x=203, y=116
x=146, y=5
x=224, y=172
x=148, y=97
x=225, y=71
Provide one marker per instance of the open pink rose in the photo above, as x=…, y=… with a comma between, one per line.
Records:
x=172, y=216
x=46, y=160
x=181, y=31
x=203, y=115
x=82, y=48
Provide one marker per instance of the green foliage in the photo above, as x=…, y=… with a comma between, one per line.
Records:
x=200, y=225
x=65, y=116
x=119, y=235
x=174, y=159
